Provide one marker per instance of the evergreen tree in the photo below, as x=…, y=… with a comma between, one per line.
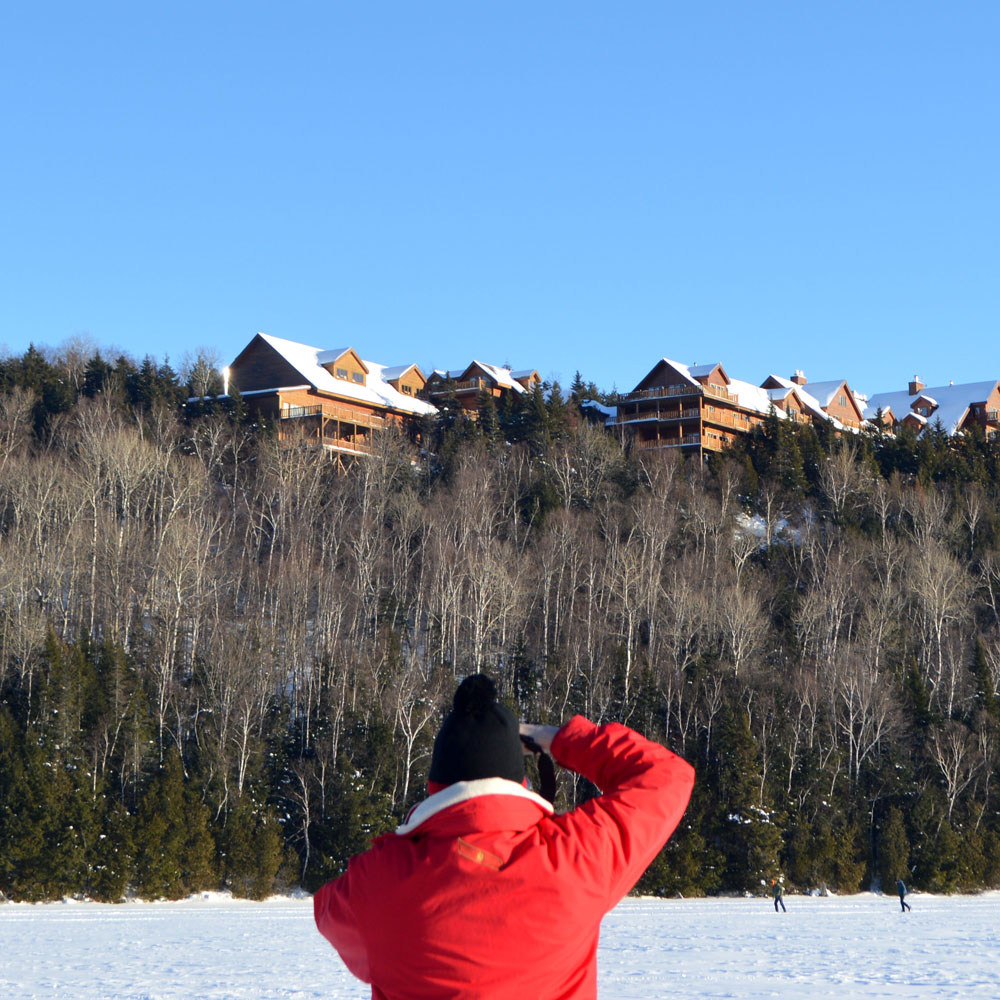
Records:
x=175, y=851
x=254, y=850
x=559, y=420
x=97, y=376
x=535, y=421
x=489, y=419
x=749, y=838
x=113, y=854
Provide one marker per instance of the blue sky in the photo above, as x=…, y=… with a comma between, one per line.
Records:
x=592, y=186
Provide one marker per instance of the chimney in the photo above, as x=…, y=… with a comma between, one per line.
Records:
x=916, y=385
x=799, y=378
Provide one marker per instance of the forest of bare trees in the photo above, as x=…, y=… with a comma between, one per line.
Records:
x=223, y=661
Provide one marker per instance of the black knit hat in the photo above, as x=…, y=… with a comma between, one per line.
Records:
x=479, y=738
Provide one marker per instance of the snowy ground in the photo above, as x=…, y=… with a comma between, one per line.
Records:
x=219, y=949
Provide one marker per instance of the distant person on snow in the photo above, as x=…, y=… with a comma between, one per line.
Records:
x=485, y=891
x=901, y=889
x=778, y=892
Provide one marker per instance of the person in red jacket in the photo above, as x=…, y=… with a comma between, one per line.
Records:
x=485, y=891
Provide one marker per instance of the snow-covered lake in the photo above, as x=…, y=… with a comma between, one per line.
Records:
x=220, y=949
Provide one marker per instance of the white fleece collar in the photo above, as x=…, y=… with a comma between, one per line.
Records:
x=462, y=791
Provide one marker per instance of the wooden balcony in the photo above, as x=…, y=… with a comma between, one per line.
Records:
x=687, y=441
x=338, y=428
x=330, y=411
x=732, y=420
x=667, y=391
x=462, y=388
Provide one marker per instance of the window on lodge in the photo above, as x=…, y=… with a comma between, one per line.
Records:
x=408, y=389
x=342, y=373
x=357, y=377
x=842, y=399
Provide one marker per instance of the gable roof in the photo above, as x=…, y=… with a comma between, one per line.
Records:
x=825, y=392
x=331, y=357
x=390, y=374
x=703, y=371
x=503, y=377
x=678, y=367
x=747, y=395
x=780, y=387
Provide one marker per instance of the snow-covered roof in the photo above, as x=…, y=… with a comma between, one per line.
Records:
x=779, y=394
x=752, y=397
x=700, y=371
x=377, y=392
x=825, y=391
x=395, y=371
x=329, y=355
x=610, y=412
x=809, y=401
x=682, y=369
x=504, y=377
x=953, y=402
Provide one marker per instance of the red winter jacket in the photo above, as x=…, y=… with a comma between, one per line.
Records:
x=485, y=893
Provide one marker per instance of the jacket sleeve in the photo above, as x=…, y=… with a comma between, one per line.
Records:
x=645, y=790
x=338, y=921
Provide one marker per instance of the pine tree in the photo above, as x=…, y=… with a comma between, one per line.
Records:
x=558, y=417
x=489, y=420
x=893, y=850
x=113, y=855
x=97, y=376
x=749, y=838
x=175, y=851
x=254, y=850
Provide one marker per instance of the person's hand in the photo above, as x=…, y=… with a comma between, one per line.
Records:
x=536, y=738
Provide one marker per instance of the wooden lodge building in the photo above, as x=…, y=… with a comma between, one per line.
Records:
x=467, y=385
x=699, y=408
x=695, y=408
x=329, y=397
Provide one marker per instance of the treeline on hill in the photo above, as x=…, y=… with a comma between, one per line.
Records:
x=223, y=662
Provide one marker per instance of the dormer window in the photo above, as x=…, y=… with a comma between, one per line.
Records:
x=407, y=389
x=342, y=373
x=358, y=377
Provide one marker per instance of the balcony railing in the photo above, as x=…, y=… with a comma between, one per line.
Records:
x=688, y=441
x=661, y=391
x=467, y=385
x=326, y=411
